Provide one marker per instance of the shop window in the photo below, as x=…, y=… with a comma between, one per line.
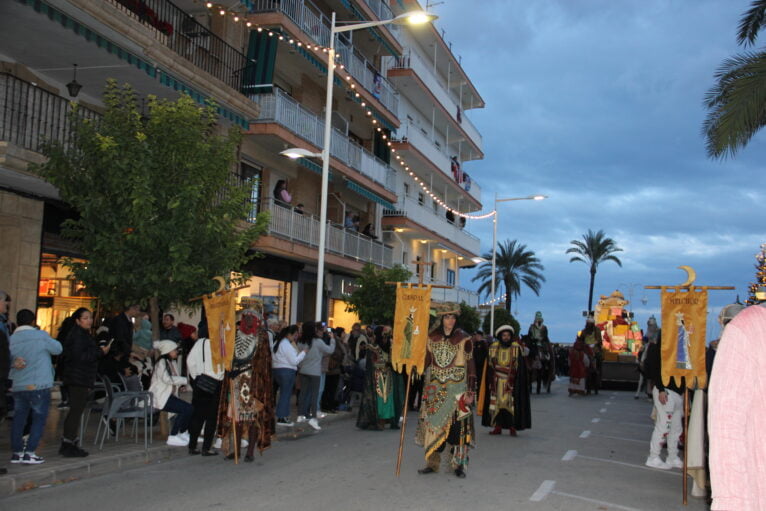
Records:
x=59, y=294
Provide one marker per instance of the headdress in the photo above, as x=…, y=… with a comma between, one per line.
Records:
x=165, y=346
x=502, y=329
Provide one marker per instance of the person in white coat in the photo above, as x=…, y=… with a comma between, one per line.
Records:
x=206, y=385
x=284, y=367
x=165, y=384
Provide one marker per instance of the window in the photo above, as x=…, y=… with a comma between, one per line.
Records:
x=436, y=206
x=405, y=259
x=406, y=189
x=252, y=176
x=433, y=271
x=450, y=277
x=421, y=198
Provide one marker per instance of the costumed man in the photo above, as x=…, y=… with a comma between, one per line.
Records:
x=505, y=391
x=381, y=399
x=580, y=359
x=247, y=407
x=591, y=335
x=538, y=334
x=449, y=383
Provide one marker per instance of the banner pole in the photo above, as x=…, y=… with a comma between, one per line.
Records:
x=234, y=425
x=405, y=409
x=686, y=443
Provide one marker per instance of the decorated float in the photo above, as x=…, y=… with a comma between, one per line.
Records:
x=621, y=338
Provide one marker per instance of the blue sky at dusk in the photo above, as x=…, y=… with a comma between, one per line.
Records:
x=599, y=104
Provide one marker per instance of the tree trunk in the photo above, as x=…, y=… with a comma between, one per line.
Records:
x=154, y=314
x=590, y=290
x=507, y=297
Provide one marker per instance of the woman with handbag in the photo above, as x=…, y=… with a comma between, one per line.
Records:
x=206, y=385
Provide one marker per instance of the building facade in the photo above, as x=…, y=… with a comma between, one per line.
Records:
x=264, y=63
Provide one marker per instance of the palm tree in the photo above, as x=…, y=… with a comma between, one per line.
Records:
x=594, y=250
x=514, y=265
x=737, y=102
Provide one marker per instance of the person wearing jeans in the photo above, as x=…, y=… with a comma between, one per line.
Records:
x=284, y=365
x=313, y=340
x=165, y=380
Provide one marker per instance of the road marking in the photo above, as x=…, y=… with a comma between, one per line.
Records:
x=594, y=501
x=644, y=467
x=623, y=439
x=542, y=491
x=585, y=434
x=603, y=410
x=596, y=420
x=608, y=403
x=569, y=456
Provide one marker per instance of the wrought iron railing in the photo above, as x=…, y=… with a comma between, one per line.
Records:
x=183, y=34
x=30, y=115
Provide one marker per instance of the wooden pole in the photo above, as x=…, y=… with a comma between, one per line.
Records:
x=234, y=425
x=686, y=444
x=405, y=409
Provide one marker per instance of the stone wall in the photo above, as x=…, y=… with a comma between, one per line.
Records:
x=20, y=234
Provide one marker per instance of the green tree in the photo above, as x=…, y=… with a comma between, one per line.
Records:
x=160, y=212
x=737, y=102
x=594, y=249
x=469, y=318
x=515, y=265
x=373, y=300
x=502, y=317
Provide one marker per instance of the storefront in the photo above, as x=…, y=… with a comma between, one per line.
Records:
x=58, y=294
x=272, y=297
x=342, y=285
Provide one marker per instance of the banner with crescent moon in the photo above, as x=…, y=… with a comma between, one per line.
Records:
x=408, y=346
x=220, y=311
x=684, y=325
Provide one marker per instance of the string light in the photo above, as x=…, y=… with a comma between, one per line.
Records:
x=493, y=301
x=351, y=89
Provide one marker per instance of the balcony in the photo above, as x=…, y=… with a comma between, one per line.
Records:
x=301, y=228
x=434, y=85
x=409, y=133
x=30, y=115
x=185, y=36
x=282, y=109
x=436, y=222
x=455, y=294
x=384, y=12
x=314, y=24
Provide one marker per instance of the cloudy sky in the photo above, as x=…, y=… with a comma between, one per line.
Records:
x=598, y=103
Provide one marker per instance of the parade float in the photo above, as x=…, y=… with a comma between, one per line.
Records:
x=621, y=339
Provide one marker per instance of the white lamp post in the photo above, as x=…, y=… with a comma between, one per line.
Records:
x=494, y=256
x=411, y=18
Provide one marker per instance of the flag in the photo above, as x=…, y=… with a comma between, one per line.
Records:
x=221, y=323
x=413, y=307
x=684, y=324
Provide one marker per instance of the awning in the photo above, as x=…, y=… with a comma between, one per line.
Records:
x=364, y=192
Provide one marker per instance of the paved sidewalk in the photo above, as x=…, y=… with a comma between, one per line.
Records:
x=116, y=455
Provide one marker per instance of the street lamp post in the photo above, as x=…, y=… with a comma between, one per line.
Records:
x=412, y=18
x=494, y=255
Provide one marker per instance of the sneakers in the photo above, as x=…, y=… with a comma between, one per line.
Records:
x=285, y=422
x=70, y=450
x=314, y=424
x=63, y=405
x=675, y=462
x=656, y=462
x=177, y=441
x=301, y=418
x=31, y=458
x=17, y=457
x=185, y=436
x=321, y=415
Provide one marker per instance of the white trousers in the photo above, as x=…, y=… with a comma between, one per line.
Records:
x=668, y=425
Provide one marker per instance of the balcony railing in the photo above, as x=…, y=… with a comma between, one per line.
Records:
x=302, y=228
x=316, y=25
x=184, y=35
x=384, y=12
x=30, y=115
x=435, y=84
x=435, y=221
x=285, y=111
x=435, y=153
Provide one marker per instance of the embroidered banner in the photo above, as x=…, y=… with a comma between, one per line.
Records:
x=221, y=321
x=684, y=323
x=410, y=334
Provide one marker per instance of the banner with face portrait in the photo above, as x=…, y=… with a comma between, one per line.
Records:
x=684, y=325
x=408, y=347
x=221, y=324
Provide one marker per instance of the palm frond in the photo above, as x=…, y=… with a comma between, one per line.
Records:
x=751, y=23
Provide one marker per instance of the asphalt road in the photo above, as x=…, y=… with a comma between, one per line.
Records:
x=583, y=453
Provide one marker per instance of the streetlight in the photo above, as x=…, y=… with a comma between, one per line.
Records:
x=494, y=254
x=407, y=18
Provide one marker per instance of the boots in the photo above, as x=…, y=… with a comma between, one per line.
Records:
x=434, y=460
x=497, y=431
x=513, y=432
x=70, y=449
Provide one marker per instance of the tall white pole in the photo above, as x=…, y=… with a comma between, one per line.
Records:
x=494, y=261
x=325, y=172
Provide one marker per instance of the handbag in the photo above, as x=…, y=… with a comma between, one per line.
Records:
x=204, y=382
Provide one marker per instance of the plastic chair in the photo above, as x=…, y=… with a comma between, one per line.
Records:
x=97, y=402
x=120, y=405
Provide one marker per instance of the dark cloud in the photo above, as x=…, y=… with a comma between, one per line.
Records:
x=599, y=104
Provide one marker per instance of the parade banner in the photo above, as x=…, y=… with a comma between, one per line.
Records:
x=410, y=334
x=221, y=322
x=684, y=323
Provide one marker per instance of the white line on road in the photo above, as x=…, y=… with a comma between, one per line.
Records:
x=608, y=403
x=569, y=456
x=542, y=491
x=623, y=439
x=596, y=420
x=603, y=410
x=644, y=467
x=594, y=501
x=585, y=434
